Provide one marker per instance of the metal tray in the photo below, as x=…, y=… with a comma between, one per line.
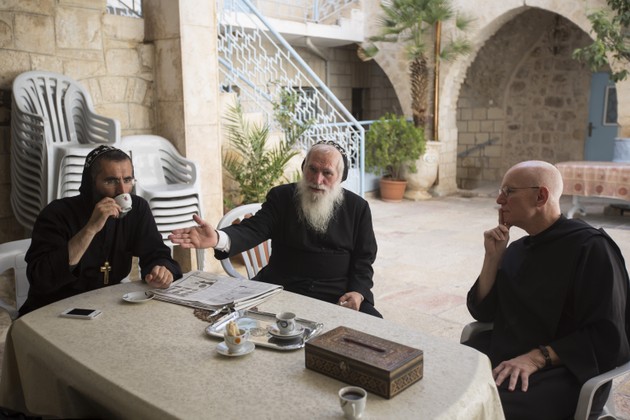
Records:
x=258, y=324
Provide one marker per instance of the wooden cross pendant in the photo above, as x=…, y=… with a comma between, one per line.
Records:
x=105, y=269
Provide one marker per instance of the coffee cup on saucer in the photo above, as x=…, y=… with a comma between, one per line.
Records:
x=124, y=201
x=236, y=343
x=285, y=322
x=352, y=400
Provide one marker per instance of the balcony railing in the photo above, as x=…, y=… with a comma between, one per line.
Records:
x=316, y=11
x=131, y=8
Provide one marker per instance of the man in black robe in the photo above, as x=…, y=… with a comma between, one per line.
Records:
x=558, y=299
x=83, y=242
x=322, y=237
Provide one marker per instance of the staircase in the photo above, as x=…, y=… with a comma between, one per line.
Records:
x=260, y=65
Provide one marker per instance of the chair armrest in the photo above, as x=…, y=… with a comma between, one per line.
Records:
x=474, y=328
x=588, y=389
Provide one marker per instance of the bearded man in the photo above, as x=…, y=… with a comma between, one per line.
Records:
x=321, y=234
x=87, y=242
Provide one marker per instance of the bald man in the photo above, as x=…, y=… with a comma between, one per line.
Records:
x=321, y=234
x=558, y=299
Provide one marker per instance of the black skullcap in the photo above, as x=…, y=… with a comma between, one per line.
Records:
x=96, y=153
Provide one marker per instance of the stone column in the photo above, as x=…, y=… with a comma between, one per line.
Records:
x=187, y=104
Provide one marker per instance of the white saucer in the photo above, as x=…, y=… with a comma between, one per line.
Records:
x=248, y=347
x=273, y=330
x=138, y=297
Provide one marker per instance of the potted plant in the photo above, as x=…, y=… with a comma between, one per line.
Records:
x=256, y=156
x=392, y=145
x=250, y=160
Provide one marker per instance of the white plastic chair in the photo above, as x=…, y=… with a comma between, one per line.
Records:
x=52, y=117
x=159, y=168
x=168, y=182
x=589, y=388
x=12, y=257
x=69, y=174
x=255, y=258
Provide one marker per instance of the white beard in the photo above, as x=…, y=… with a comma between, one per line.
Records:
x=317, y=209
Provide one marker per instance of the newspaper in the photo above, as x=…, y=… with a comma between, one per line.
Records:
x=215, y=292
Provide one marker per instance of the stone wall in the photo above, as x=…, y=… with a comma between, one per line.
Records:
x=523, y=98
x=347, y=72
x=105, y=53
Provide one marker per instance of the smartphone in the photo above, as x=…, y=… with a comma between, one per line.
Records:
x=81, y=313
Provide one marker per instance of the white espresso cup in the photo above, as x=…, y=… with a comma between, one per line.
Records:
x=285, y=322
x=352, y=400
x=124, y=201
x=236, y=343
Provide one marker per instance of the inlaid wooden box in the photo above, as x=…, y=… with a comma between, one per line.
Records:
x=380, y=366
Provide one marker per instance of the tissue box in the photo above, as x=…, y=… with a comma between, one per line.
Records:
x=380, y=366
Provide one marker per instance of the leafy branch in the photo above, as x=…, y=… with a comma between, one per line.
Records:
x=612, y=32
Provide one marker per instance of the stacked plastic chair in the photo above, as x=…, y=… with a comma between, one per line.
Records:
x=54, y=127
x=53, y=123
x=168, y=181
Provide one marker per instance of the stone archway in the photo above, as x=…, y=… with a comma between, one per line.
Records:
x=569, y=24
x=523, y=97
x=490, y=17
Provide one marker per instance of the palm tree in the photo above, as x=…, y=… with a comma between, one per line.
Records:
x=413, y=22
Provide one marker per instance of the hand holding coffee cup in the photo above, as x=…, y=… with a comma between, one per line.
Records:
x=235, y=338
x=124, y=201
x=285, y=322
x=352, y=400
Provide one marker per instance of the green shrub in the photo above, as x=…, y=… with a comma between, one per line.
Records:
x=391, y=143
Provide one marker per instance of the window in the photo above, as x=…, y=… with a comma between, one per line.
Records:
x=610, y=106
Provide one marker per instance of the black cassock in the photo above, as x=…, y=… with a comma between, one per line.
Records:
x=567, y=288
x=52, y=279
x=323, y=266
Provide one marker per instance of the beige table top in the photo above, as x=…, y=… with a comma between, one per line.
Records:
x=155, y=360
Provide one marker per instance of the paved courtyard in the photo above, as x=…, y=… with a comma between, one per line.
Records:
x=430, y=253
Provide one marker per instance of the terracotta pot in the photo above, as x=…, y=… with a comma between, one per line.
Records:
x=392, y=190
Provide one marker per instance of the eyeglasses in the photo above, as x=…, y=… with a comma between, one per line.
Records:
x=507, y=191
x=114, y=182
